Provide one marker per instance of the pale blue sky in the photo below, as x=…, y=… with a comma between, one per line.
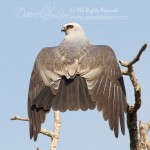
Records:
x=27, y=26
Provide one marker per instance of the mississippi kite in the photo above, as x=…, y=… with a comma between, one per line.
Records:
x=76, y=75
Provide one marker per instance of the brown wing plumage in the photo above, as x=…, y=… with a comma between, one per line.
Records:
x=97, y=81
x=106, y=86
x=40, y=95
x=40, y=100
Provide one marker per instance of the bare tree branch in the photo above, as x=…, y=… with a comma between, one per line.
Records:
x=132, y=110
x=137, y=58
x=19, y=118
x=143, y=131
x=43, y=131
x=57, y=123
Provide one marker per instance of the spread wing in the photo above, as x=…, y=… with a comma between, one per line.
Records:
x=98, y=80
x=106, y=85
x=43, y=87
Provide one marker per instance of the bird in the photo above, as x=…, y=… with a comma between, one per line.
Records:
x=76, y=75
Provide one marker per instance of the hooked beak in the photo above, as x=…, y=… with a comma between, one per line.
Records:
x=63, y=29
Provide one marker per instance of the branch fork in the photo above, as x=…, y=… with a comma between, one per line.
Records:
x=132, y=110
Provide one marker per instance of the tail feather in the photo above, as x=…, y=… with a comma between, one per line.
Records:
x=73, y=99
x=63, y=98
x=77, y=97
x=69, y=96
x=73, y=94
x=90, y=103
x=84, y=96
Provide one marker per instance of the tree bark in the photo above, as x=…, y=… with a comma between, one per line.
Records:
x=132, y=127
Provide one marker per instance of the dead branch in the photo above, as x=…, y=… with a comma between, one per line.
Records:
x=19, y=118
x=57, y=124
x=53, y=135
x=137, y=58
x=143, y=131
x=132, y=110
x=43, y=131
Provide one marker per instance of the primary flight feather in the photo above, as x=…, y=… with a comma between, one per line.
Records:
x=76, y=75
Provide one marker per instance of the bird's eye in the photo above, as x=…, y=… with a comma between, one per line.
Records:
x=69, y=26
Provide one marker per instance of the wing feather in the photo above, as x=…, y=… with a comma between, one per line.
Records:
x=106, y=85
x=122, y=122
x=116, y=111
x=83, y=101
x=40, y=96
x=77, y=96
x=106, y=100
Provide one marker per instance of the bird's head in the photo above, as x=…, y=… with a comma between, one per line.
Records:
x=74, y=33
x=72, y=28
